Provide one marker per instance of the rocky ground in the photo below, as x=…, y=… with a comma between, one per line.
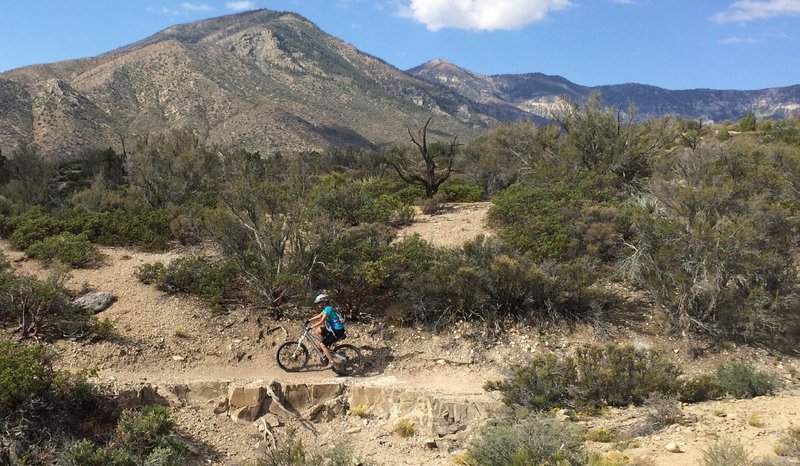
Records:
x=164, y=339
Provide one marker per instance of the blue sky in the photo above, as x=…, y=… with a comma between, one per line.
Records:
x=676, y=44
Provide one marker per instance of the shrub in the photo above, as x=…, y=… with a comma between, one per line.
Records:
x=622, y=375
x=34, y=226
x=789, y=443
x=596, y=376
x=433, y=205
x=73, y=250
x=536, y=440
x=151, y=273
x=600, y=434
x=700, y=388
x=149, y=432
x=726, y=453
x=213, y=281
x=39, y=308
x=462, y=191
x=387, y=209
x=405, y=428
x=85, y=453
x=541, y=384
x=741, y=380
x=293, y=453
x=135, y=225
x=25, y=372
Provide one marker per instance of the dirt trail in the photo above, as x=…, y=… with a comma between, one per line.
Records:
x=177, y=339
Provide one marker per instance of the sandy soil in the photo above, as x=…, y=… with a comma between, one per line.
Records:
x=177, y=338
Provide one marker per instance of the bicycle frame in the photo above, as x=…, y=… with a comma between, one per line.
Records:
x=313, y=340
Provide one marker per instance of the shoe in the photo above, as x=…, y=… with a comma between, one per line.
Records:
x=324, y=361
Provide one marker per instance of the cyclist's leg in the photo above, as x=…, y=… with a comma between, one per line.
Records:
x=326, y=339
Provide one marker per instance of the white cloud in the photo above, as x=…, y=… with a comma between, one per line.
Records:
x=486, y=15
x=623, y=2
x=195, y=6
x=241, y=5
x=744, y=11
x=735, y=40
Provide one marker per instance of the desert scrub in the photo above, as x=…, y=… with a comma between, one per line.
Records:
x=726, y=453
x=404, y=428
x=742, y=380
x=73, y=250
x=596, y=376
x=789, y=443
x=601, y=435
x=535, y=440
x=699, y=388
x=361, y=411
x=213, y=281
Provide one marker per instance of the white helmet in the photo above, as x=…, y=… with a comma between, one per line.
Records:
x=321, y=298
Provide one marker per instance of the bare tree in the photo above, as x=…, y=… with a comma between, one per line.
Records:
x=435, y=166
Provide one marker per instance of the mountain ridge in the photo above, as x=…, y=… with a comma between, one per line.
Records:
x=273, y=81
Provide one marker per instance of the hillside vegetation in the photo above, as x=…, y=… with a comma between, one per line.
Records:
x=699, y=223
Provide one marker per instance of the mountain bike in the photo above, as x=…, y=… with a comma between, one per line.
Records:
x=292, y=356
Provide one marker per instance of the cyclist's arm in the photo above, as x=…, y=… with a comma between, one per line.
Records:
x=317, y=320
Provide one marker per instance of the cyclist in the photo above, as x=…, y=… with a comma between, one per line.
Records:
x=329, y=327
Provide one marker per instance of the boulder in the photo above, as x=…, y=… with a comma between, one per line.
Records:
x=96, y=302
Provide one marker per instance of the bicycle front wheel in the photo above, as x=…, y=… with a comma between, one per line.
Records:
x=292, y=356
x=346, y=360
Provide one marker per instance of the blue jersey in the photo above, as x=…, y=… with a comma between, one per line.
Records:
x=332, y=319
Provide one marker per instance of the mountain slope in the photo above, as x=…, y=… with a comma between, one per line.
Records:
x=273, y=81
x=537, y=93
x=262, y=80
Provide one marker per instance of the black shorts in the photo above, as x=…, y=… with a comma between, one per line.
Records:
x=330, y=337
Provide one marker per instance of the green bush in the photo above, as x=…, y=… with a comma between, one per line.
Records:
x=542, y=384
x=388, y=209
x=622, y=375
x=596, y=376
x=462, y=191
x=143, y=227
x=39, y=308
x=213, y=281
x=33, y=226
x=150, y=274
x=487, y=279
x=536, y=440
x=742, y=380
x=699, y=388
x=293, y=453
x=73, y=250
x=85, y=453
x=541, y=220
x=147, y=430
x=25, y=372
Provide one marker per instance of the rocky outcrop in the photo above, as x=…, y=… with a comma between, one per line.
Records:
x=447, y=421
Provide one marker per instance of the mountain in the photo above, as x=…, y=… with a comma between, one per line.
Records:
x=537, y=94
x=261, y=80
x=273, y=81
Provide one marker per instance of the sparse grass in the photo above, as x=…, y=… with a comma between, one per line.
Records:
x=601, y=435
x=754, y=420
x=598, y=459
x=181, y=332
x=361, y=411
x=405, y=428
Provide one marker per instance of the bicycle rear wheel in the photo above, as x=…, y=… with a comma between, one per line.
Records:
x=292, y=356
x=346, y=359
